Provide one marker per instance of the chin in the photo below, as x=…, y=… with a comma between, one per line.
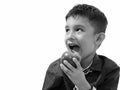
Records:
x=87, y=56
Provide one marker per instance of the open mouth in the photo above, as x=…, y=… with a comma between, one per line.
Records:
x=74, y=47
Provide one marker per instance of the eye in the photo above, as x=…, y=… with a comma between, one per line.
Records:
x=67, y=30
x=79, y=30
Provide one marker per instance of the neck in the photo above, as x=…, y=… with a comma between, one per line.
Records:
x=85, y=62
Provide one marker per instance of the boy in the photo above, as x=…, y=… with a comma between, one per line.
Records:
x=85, y=31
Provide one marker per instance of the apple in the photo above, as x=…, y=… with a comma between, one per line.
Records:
x=69, y=57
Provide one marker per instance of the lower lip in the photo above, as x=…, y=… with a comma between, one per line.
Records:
x=73, y=52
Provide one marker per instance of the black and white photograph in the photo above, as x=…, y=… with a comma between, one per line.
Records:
x=59, y=45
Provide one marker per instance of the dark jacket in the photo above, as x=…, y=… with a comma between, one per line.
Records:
x=104, y=75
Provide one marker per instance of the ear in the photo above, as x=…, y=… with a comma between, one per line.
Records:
x=99, y=39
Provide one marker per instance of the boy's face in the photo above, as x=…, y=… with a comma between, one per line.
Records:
x=80, y=37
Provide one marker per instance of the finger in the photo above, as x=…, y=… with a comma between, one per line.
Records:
x=77, y=63
x=65, y=69
x=77, y=54
x=69, y=65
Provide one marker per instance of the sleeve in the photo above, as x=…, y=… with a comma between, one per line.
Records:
x=111, y=80
x=52, y=80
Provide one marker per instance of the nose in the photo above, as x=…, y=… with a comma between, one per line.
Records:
x=71, y=36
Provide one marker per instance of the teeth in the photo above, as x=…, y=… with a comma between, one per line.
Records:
x=69, y=42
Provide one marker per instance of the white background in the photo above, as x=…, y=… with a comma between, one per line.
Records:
x=32, y=36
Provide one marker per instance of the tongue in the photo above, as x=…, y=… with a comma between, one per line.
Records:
x=76, y=48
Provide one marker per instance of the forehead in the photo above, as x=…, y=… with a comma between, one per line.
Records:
x=78, y=21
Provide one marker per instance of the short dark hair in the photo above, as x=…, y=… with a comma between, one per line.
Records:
x=97, y=18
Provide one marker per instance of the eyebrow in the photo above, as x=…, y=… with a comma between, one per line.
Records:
x=76, y=26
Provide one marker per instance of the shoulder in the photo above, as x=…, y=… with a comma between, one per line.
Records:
x=55, y=63
x=54, y=67
x=108, y=64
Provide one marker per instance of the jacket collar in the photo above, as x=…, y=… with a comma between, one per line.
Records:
x=97, y=63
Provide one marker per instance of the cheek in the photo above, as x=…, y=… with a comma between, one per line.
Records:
x=87, y=45
x=65, y=39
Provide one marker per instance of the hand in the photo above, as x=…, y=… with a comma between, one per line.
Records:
x=76, y=75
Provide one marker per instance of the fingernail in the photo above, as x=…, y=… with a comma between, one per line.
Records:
x=64, y=61
x=61, y=65
x=74, y=58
